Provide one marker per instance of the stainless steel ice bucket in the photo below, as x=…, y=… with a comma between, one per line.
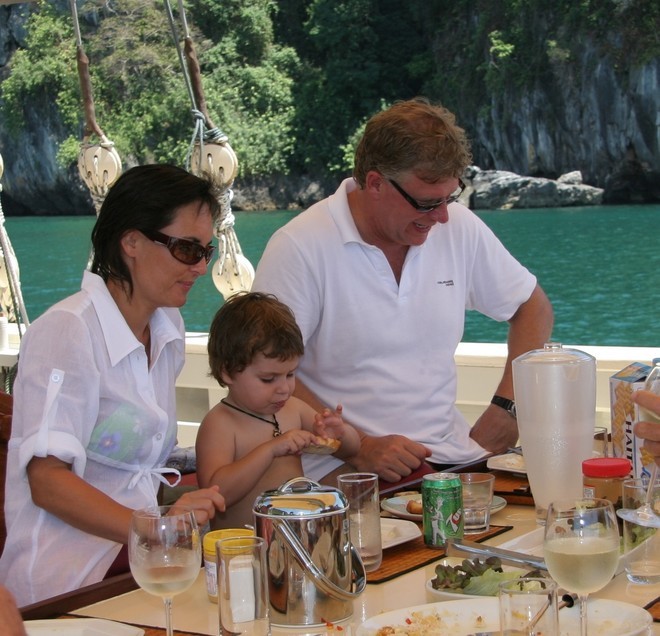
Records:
x=314, y=573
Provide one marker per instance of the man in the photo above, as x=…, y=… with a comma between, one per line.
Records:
x=379, y=276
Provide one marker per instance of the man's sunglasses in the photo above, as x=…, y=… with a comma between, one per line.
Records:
x=424, y=208
x=183, y=250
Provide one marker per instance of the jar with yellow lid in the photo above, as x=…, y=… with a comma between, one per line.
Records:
x=211, y=558
x=603, y=477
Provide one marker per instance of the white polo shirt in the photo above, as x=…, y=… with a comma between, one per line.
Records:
x=385, y=350
x=85, y=394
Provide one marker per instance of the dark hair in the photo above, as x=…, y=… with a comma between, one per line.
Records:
x=247, y=324
x=143, y=198
x=412, y=136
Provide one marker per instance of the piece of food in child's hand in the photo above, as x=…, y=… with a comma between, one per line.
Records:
x=326, y=446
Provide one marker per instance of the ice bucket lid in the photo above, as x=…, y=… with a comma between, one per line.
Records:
x=300, y=497
x=554, y=353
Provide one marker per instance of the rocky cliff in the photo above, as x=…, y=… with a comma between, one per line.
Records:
x=592, y=119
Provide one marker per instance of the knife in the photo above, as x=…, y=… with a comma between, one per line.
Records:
x=457, y=547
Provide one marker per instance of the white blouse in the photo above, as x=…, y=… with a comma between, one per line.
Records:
x=86, y=394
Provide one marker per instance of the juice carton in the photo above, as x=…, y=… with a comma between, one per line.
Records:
x=625, y=413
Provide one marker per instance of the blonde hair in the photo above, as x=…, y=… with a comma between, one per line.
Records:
x=412, y=136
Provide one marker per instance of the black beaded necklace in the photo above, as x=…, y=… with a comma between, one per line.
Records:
x=275, y=424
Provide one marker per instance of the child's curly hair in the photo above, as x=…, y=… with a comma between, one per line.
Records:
x=247, y=324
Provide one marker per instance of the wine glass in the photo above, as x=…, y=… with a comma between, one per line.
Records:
x=164, y=553
x=581, y=547
x=646, y=515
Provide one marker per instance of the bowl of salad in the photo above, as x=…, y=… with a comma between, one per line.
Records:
x=457, y=578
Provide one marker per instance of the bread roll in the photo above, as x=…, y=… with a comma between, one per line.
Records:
x=414, y=506
x=327, y=446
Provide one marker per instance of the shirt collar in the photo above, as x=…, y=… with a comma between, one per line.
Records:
x=341, y=212
x=120, y=341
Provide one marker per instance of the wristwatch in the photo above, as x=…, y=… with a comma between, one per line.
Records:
x=508, y=405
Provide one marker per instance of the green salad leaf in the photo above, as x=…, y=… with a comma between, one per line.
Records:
x=487, y=584
x=476, y=577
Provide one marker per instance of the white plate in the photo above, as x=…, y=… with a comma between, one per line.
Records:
x=512, y=463
x=81, y=627
x=396, y=531
x=446, y=595
x=397, y=506
x=462, y=618
x=509, y=462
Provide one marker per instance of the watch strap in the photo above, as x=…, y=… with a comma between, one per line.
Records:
x=508, y=405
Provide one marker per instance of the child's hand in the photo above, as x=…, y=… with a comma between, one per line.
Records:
x=292, y=442
x=329, y=423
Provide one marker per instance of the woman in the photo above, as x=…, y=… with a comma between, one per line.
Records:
x=94, y=399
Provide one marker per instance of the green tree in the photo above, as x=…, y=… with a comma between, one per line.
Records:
x=354, y=54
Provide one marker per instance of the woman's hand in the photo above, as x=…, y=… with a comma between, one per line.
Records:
x=647, y=430
x=203, y=503
x=11, y=623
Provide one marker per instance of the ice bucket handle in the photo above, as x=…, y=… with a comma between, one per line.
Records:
x=296, y=483
x=321, y=581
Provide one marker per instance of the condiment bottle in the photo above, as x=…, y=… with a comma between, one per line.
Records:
x=211, y=559
x=602, y=478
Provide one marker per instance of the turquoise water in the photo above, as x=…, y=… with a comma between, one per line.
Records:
x=600, y=266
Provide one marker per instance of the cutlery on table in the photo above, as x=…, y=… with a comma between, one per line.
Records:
x=457, y=547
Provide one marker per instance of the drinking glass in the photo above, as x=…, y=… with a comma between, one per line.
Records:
x=243, y=587
x=601, y=441
x=164, y=553
x=361, y=490
x=641, y=544
x=528, y=607
x=581, y=547
x=477, y=499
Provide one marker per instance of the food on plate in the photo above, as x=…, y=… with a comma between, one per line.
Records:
x=326, y=446
x=414, y=506
x=476, y=577
x=421, y=624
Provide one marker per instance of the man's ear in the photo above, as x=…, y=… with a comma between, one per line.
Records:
x=374, y=181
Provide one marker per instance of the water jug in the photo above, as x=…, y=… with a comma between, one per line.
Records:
x=314, y=572
x=555, y=390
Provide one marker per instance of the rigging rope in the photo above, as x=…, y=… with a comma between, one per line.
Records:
x=210, y=154
x=16, y=310
x=99, y=164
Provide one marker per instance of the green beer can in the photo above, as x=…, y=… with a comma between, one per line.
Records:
x=442, y=500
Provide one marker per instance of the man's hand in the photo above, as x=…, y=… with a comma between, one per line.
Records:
x=496, y=430
x=391, y=456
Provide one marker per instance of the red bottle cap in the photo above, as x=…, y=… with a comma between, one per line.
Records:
x=606, y=467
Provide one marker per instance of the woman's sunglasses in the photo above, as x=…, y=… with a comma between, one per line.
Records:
x=183, y=250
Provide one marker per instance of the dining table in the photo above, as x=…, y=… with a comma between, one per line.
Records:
x=399, y=583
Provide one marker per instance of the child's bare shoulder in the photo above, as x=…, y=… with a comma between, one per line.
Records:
x=217, y=419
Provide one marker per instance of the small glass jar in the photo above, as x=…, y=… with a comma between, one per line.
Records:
x=603, y=477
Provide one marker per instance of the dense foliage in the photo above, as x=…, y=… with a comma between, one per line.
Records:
x=292, y=81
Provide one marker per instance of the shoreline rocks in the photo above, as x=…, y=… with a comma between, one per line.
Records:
x=502, y=190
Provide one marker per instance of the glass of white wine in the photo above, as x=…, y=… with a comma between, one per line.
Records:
x=164, y=553
x=581, y=547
